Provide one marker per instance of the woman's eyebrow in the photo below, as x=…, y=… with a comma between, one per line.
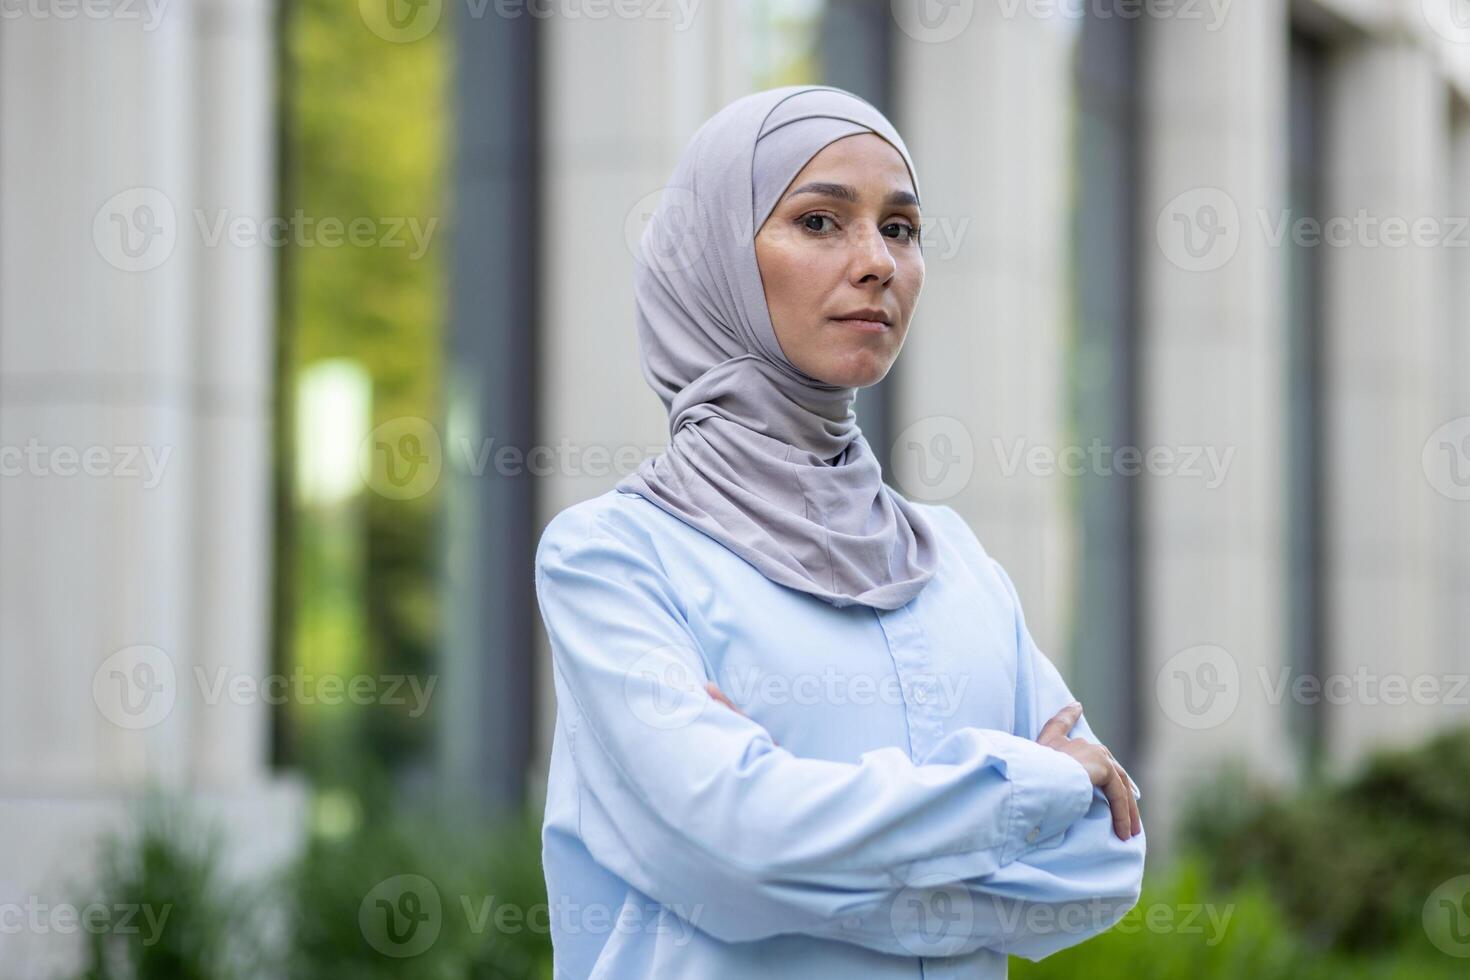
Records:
x=847, y=193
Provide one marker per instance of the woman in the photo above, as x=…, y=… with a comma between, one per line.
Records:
x=802, y=729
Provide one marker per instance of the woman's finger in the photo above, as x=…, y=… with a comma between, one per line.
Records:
x=719, y=696
x=1060, y=724
x=1119, y=799
x=1131, y=784
x=1135, y=820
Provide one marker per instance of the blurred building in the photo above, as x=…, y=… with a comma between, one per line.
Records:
x=135, y=419
x=1193, y=358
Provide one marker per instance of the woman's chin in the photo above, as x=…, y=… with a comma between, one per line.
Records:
x=856, y=375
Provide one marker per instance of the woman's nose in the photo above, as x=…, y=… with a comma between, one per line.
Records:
x=872, y=257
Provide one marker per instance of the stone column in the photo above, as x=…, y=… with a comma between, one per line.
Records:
x=605, y=164
x=1453, y=355
x=134, y=367
x=984, y=101
x=96, y=350
x=1213, y=336
x=1387, y=119
x=233, y=337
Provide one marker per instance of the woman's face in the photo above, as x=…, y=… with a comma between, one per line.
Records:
x=840, y=251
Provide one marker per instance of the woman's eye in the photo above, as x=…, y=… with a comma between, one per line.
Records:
x=808, y=219
x=904, y=232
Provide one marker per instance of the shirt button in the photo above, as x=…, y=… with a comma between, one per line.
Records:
x=1032, y=834
x=921, y=695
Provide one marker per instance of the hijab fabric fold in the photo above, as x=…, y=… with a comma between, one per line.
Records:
x=761, y=456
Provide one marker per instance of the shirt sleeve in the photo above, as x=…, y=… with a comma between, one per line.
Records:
x=1069, y=888
x=695, y=806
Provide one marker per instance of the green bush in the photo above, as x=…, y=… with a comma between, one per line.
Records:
x=1184, y=928
x=1350, y=864
x=408, y=896
x=469, y=902
x=1329, y=881
x=174, y=916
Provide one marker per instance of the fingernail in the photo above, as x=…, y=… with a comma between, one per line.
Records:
x=1075, y=704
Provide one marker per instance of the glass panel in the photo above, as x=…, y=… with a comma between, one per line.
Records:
x=1103, y=382
x=783, y=42
x=1304, y=435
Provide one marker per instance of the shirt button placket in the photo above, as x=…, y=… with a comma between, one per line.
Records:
x=909, y=648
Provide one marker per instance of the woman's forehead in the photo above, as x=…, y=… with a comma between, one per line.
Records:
x=860, y=169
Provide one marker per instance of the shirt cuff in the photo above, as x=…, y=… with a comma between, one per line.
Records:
x=1050, y=791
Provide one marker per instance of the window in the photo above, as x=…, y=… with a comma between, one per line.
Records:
x=1104, y=375
x=1306, y=622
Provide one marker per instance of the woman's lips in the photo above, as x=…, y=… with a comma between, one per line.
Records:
x=876, y=326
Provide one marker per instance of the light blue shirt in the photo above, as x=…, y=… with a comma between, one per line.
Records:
x=906, y=825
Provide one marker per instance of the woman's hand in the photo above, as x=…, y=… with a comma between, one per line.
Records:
x=719, y=696
x=1105, y=771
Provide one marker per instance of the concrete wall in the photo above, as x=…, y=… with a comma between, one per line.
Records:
x=1213, y=348
x=981, y=374
x=127, y=341
x=605, y=163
